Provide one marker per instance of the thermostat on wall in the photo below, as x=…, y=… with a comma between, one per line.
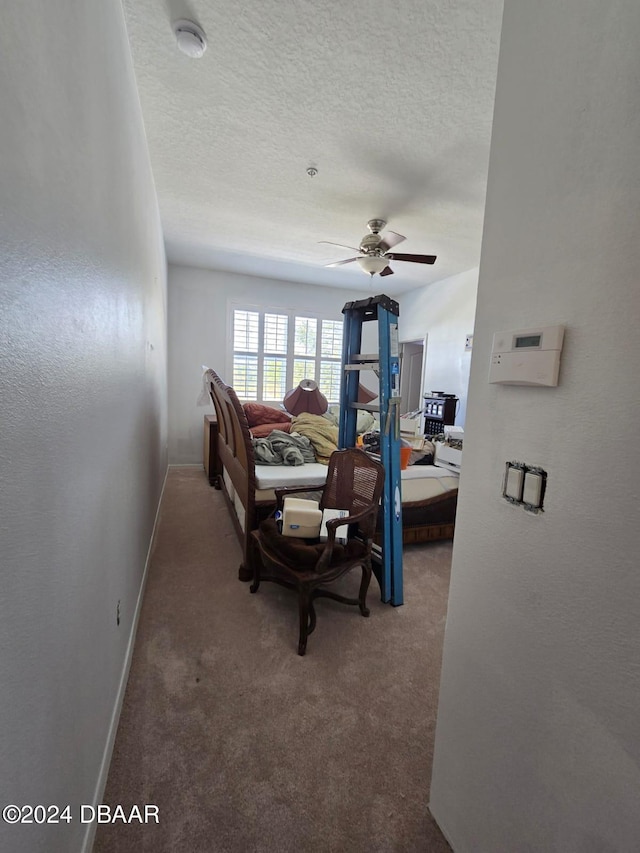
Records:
x=527, y=356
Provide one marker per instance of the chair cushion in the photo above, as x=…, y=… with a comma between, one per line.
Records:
x=305, y=553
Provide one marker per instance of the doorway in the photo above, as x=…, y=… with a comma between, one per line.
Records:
x=412, y=360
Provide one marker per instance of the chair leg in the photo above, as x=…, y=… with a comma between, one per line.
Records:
x=312, y=617
x=306, y=614
x=364, y=586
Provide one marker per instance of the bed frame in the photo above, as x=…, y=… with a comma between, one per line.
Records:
x=422, y=521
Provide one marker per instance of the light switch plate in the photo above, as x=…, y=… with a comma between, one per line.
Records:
x=513, y=482
x=524, y=485
x=535, y=480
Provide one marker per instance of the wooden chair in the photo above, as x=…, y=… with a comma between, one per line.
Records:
x=354, y=483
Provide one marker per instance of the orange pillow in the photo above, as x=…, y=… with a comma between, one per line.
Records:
x=265, y=430
x=258, y=414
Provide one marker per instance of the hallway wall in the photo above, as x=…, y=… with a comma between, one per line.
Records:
x=83, y=391
x=537, y=734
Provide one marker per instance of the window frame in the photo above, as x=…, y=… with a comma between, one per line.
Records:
x=290, y=356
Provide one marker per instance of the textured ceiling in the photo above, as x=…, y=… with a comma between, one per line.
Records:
x=391, y=102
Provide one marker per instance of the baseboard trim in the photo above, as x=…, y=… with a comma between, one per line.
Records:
x=101, y=784
x=442, y=828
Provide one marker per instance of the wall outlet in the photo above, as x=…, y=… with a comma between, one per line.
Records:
x=468, y=343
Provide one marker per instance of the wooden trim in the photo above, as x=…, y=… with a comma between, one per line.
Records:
x=235, y=454
x=210, y=457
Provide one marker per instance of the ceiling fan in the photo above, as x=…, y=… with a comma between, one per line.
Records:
x=374, y=254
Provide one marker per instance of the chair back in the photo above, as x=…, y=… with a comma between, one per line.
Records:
x=354, y=482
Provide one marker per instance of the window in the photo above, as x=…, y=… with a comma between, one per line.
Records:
x=245, y=342
x=274, y=350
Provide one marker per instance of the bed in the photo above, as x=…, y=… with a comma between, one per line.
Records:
x=429, y=493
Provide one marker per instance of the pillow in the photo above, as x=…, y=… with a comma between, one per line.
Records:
x=364, y=420
x=258, y=414
x=333, y=415
x=264, y=430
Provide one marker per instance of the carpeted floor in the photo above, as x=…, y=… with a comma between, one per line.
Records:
x=243, y=745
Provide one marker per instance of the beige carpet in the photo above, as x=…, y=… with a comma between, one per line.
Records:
x=245, y=746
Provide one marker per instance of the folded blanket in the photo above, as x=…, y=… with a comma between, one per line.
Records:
x=322, y=434
x=281, y=448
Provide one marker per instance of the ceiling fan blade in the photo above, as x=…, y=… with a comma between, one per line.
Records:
x=391, y=238
x=340, y=263
x=387, y=271
x=415, y=259
x=342, y=245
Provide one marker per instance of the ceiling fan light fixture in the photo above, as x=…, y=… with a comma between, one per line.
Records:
x=373, y=264
x=191, y=38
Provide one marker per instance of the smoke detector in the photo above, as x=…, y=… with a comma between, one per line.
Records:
x=191, y=38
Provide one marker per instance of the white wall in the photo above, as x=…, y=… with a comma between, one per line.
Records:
x=537, y=742
x=198, y=334
x=445, y=312
x=83, y=388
